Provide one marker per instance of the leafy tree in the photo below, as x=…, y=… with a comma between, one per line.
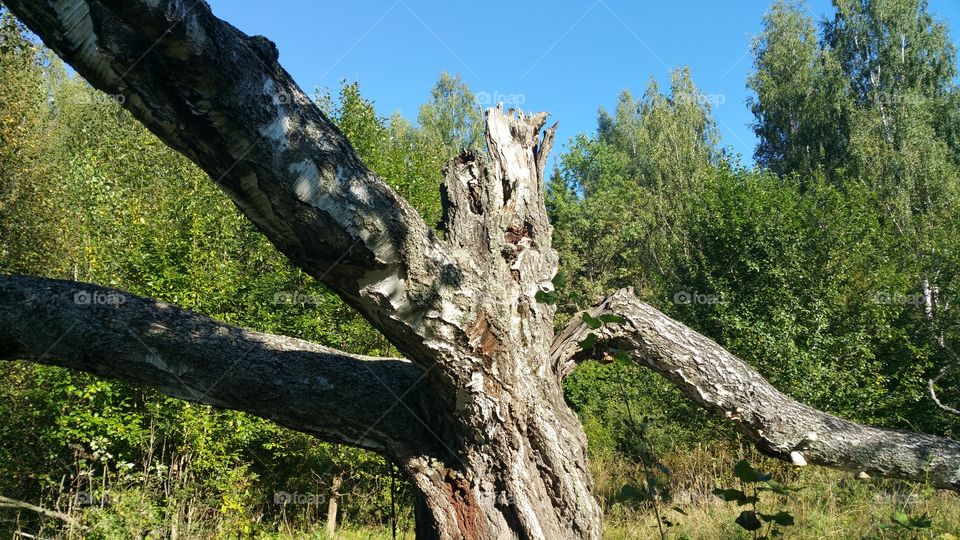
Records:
x=875, y=97
x=451, y=121
x=801, y=105
x=28, y=221
x=616, y=197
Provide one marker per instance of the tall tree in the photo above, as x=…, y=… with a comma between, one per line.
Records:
x=901, y=67
x=452, y=117
x=889, y=48
x=872, y=103
x=618, y=198
x=475, y=415
x=800, y=109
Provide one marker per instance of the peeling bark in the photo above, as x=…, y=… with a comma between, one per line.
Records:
x=522, y=450
x=780, y=426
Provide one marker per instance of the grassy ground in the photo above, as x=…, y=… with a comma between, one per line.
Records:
x=827, y=504
x=830, y=504
x=820, y=513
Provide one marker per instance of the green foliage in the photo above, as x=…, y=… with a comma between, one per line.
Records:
x=757, y=482
x=910, y=523
x=28, y=217
x=832, y=275
x=801, y=96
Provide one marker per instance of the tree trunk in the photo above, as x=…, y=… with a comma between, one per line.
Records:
x=332, y=503
x=521, y=455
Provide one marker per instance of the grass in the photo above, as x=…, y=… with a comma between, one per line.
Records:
x=830, y=504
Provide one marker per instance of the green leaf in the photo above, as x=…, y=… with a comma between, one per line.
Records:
x=612, y=319
x=592, y=322
x=652, y=486
x=901, y=519
x=748, y=520
x=623, y=357
x=911, y=523
x=559, y=280
x=589, y=341
x=546, y=297
x=745, y=472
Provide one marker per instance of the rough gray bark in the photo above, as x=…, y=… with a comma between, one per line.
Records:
x=724, y=384
x=330, y=394
x=486, y=438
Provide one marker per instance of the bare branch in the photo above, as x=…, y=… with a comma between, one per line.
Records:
x=219, y=97
x=7, y=502
x=931, y=386
x=336, y=396
x=724, y=384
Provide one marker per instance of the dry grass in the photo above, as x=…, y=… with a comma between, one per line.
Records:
x=831, y=504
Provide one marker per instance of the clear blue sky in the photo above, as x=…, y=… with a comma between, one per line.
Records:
x=567, y=57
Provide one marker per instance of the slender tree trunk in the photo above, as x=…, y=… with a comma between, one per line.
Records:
x=332, y=503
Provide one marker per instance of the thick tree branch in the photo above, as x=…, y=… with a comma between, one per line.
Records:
x=219, y=97
x=336, y=396
x=727, y=386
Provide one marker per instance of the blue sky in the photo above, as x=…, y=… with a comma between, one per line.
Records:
x=566, y=57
